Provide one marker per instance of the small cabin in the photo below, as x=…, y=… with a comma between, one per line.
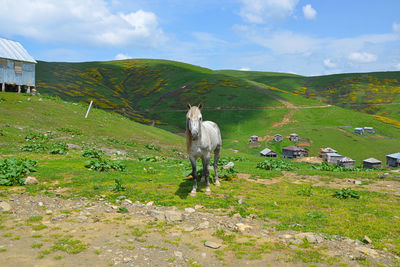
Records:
x=332, y=158
x=294, y=152
x=253, y=139
x=393, y=160
x=359, y=130
x=268, y=153
x=294, y=137
x=346, y=162
x=372, y=163
x=278, y=138
x=324, y=151
x=17, y=67
x=369, y=129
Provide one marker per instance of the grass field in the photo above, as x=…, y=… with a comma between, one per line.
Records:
x=155, y=166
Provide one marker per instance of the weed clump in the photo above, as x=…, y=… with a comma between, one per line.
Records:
x=346, y=193
x=101, y=165
x=13, y=170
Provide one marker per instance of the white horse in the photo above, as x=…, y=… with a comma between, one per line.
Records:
x=202, y=138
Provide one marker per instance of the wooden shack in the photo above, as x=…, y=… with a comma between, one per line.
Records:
x=294, y=152
x=268, y=153
x=372, y=163
x=359, y=130
x=253, y=139
x=294, y=137
x=17, y=67
x=278, y=138
x=324, y=151
x=393, y=160
x=332, y=158
x=346, y=162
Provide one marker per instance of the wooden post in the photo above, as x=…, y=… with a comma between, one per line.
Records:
x=3, y=87
x=90, y=105
x=28, y=91
x=19, y=88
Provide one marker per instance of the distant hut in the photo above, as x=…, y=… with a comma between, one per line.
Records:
x=268, y=153
x=17, y=67
x=369, y=129
x=393, y=160
x=359, y=130
x=294, y=152
x=278, y=138
x=372, y=163
x=332, y=157
x=346, y=162
x=294, y=137
x=324, y=151
x=253, y=139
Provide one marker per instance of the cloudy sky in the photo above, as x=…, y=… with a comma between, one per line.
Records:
x=307, y=37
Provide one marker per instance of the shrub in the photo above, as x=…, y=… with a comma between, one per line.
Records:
x=118, y=187
x=13, y=170
x=275, y=164
x=153, y=147
x=69, y=131
x=92, y=153
x=101, y=165
x=59, y=148
x=35, y=147
x=346, y=193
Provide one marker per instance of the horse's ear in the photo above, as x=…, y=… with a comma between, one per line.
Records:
x=188, y=105
x=200, y=105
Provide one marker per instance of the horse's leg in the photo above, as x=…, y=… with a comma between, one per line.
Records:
x=216, y=158
x=206, y=162
x=194, y=173
x=205, y=168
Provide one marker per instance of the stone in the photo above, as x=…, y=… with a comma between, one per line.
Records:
x=367, y=251
x=212, y=244
x=286, y=236
x=188, y=228
x=204, y=225
x=40, y=203
x=150, y=203
x=4, y=206
x=204, y=255
x=73, y=146
x=49, y=212
x=173, y=215
x=229, y=165
x=236, y=215
x=82, y=218
x=121, y=197
x=357, y=182
x=367, y=240
x=241, y=201
x=241, y=227
x=178, y=254
x=31, y=180
x=190, y=210
x=198, y=207
x=127, y=259
x=158, y=215
x=127, y=202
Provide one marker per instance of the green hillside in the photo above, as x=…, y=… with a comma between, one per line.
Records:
x=38, y=128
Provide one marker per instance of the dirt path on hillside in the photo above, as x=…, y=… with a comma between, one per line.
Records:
x=50, y=231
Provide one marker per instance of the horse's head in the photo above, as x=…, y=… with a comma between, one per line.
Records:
x=193, y=121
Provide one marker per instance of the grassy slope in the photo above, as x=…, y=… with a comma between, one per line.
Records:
x=371, y=215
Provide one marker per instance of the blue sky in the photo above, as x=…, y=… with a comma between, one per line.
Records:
x=312, y=37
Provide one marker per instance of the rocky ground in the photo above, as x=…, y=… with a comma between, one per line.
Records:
x=49, y=231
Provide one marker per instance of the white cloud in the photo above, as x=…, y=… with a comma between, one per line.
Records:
x=396, y=27
x=263, y=11
x=309, y=12
x=397, y=66
x=328, y=63
x=77, y=22
x=244, y=69
x=121, y=56
x=363, y=57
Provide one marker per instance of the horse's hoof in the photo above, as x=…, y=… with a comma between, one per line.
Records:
x=193, y=193
x=208, y=192
x=217, y=183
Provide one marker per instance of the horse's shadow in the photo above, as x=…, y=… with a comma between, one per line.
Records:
x=186, y=186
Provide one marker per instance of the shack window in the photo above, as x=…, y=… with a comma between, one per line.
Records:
x=3, y=62
x=18, y=67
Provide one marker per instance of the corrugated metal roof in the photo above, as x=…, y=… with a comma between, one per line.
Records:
x=395, y=155
x=14, y=50
x=266, y=151
x=333, y=155
x=372, y=160
x=294, y=148
x=347, y=159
